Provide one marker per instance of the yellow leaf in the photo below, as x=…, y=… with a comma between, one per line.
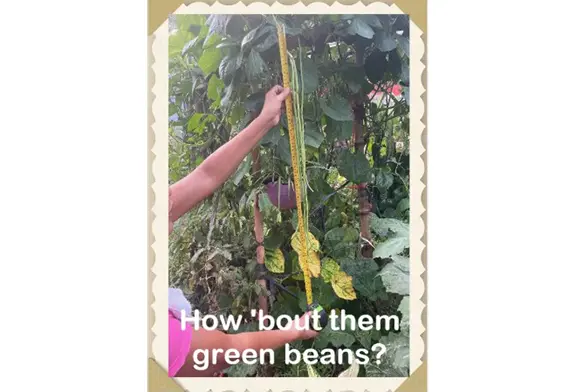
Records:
x=274, y=261
x=311, y=371
x=312, y=243
x=314, y=264
x=329, y=268
x=342, y=285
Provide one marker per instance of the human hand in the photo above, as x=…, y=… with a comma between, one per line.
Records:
x=304, y=327
x=272, y=108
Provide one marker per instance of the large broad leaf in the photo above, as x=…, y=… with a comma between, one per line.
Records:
x=313, y=264
x=396, y=360
x=217, y=23
x=385, y=41
x=383, y=226
x=215, y=87
x=396, y=275
x=283, y=150
x=338, y=130
x=398, y=352
x=210, y=60
x=272, y=138
x=329, y=269
x=391, y=247
x=310, y=75
x=341, y=241
x=211, y=41
x=337, y=108
x=365, y=277
x=274, y=260
x=235, y=26
x=361, y=28
x=354, y=167
x=254, y=37
x=270, y=40
x=371, y=20
x=255, y=67
x=312, y=135
x=342, y=285
x=337, y=338
x=383, y=180
x=312, y=242
x=228, y=67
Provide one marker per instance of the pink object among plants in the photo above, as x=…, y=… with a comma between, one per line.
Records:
x=282, y=196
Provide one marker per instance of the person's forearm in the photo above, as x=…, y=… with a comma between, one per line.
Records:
x=262, y=340
x=216, y=169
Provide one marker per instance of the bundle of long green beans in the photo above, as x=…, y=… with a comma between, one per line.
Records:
x=297, y=84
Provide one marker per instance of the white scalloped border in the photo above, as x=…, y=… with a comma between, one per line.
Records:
x=159, y=285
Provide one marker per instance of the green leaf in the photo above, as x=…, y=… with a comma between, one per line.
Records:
x=341, y=241
x=354, y=167
x=335, y=338
x=398, y=352
x=400, y=229
x=337, y=108
x=403, y=206
x=384, y=180
x=310, y=75
x=253, y=37
x=264, y=202
x=211, y=41
x=228, y=67
x=215, y=87
x=274, y=260
x=272, y=138
x=283, y=149
x=242, y=170
x=242, y=369
x=312, y=135
x=236, y=114
x=396, y=275
x=217, y=24
x=210, y=60
x=371, y=20
x=404, y=308
x=385, y=41
x=329, y=268
x=361, y=28
x=270, y=40
x=391, y=247
x=338, y=130
x=194, y=121
x=365, y=277
x=255, y=67
x=235, y=26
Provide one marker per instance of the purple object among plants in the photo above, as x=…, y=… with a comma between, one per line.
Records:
x=287, y=196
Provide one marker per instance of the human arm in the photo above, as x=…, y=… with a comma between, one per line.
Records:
x=219, y=166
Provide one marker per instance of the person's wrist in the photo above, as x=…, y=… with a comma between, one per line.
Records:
x=264, y=122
